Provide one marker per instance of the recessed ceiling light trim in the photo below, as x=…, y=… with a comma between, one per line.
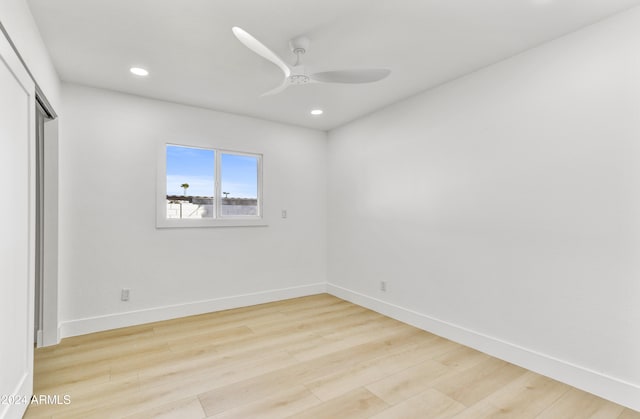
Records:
x=139, y=71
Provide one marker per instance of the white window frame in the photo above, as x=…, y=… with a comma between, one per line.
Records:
x=217, y=220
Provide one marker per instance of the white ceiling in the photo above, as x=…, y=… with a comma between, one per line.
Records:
x=193, y=57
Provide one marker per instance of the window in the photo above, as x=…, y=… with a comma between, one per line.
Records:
x=239, y=181
x=206, y=187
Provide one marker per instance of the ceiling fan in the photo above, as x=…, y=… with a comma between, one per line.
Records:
x=296, y=74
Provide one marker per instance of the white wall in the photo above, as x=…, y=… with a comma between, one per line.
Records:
x=108, y=237
x=503, y=209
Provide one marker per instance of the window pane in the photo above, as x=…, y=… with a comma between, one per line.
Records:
x=190, y=182
x=239, y=182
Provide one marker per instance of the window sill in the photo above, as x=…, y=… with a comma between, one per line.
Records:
x=204, y=223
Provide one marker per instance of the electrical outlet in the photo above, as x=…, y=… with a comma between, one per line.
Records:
x=383, y=285
x=124, y=294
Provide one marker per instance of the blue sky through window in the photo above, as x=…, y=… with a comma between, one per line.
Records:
x=195, y=166
x=239, y=176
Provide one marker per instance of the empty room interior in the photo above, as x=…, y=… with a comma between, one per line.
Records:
x=358, y=209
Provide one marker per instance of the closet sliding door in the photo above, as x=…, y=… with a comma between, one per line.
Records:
x=17, y=229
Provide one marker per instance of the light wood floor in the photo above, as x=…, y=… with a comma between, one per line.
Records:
x=311, y=357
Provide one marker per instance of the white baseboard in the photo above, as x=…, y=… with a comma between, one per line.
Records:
x=23, y=389
x=610, y=388
x=132, y=318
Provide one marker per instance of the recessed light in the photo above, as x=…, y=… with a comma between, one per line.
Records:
x=139, y=71
x=317, y=112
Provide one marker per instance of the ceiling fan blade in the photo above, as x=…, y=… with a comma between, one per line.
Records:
x=351, y=76
x=256, y=46
x=278, y=89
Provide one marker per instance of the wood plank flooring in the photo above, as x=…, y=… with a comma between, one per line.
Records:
x=311, y=357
